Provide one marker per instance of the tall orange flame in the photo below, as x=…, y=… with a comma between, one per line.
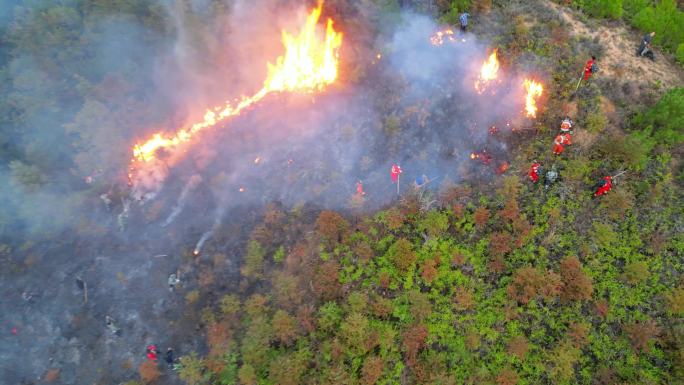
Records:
x=488, y=72
x=534, y=90
x=308, y=64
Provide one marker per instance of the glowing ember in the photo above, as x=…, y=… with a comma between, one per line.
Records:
x=257, y=160
x=241, y=189
x=502, y=168
x=483, y=156
x=534, y=90
x=439, y=37
x=309, y=63
x=488, y=72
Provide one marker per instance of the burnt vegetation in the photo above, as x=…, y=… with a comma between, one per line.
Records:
x=481, y=277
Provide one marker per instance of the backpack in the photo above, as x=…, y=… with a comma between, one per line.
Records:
x=594, y=68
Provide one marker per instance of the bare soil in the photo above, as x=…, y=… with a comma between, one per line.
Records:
x=620, y=60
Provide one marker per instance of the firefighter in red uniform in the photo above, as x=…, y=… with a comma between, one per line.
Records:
x=560, y=142
x=604, y=186
x=152, y=352
x=534, y=172
x=359, y=189
x=394, y=173
x=588, y=68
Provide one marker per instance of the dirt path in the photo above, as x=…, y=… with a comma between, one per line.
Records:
x=619, y=59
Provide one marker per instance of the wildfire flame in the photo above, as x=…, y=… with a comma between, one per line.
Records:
x=309, y=64
x=534, y=90
x=488, y=72
x=482, y=156
x=503, y=167
x=439, y=37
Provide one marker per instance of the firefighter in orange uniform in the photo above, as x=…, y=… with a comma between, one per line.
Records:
x=589, y=68
x=534, y=172
x=566, y=125
x=560, y=142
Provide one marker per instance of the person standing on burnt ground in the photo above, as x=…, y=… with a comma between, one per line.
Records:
x=109, y=321
x=168, y=358
x=151, y=352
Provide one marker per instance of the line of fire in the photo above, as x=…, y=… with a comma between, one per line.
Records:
x=310, y=65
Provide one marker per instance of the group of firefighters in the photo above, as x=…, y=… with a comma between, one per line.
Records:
x=152, y=354
x=564, y=138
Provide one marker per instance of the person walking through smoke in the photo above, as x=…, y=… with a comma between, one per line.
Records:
x=173, y=281
x=464, y=21
x=168, y=357
x=109, y=321
x=151, y=352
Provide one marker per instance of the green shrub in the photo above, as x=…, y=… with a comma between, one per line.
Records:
x=663, y=122
x=662, y=16
x=601, y=8
x=667, y=22
x=679, y=55
x=596, y=122
x=254, y=260
x=631, y=7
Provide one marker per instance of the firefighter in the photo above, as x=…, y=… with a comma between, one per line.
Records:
x=152, y=352
x=394, y=173
x=589, y=68
x=566, y=125
x=604, y=186
x=560, y=142
x=534, y=172
x=359, y=189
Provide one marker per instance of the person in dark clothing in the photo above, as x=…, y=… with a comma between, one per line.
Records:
x=645, y=47
x=169, y=357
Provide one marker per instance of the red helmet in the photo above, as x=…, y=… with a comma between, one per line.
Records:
x=151, y=347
